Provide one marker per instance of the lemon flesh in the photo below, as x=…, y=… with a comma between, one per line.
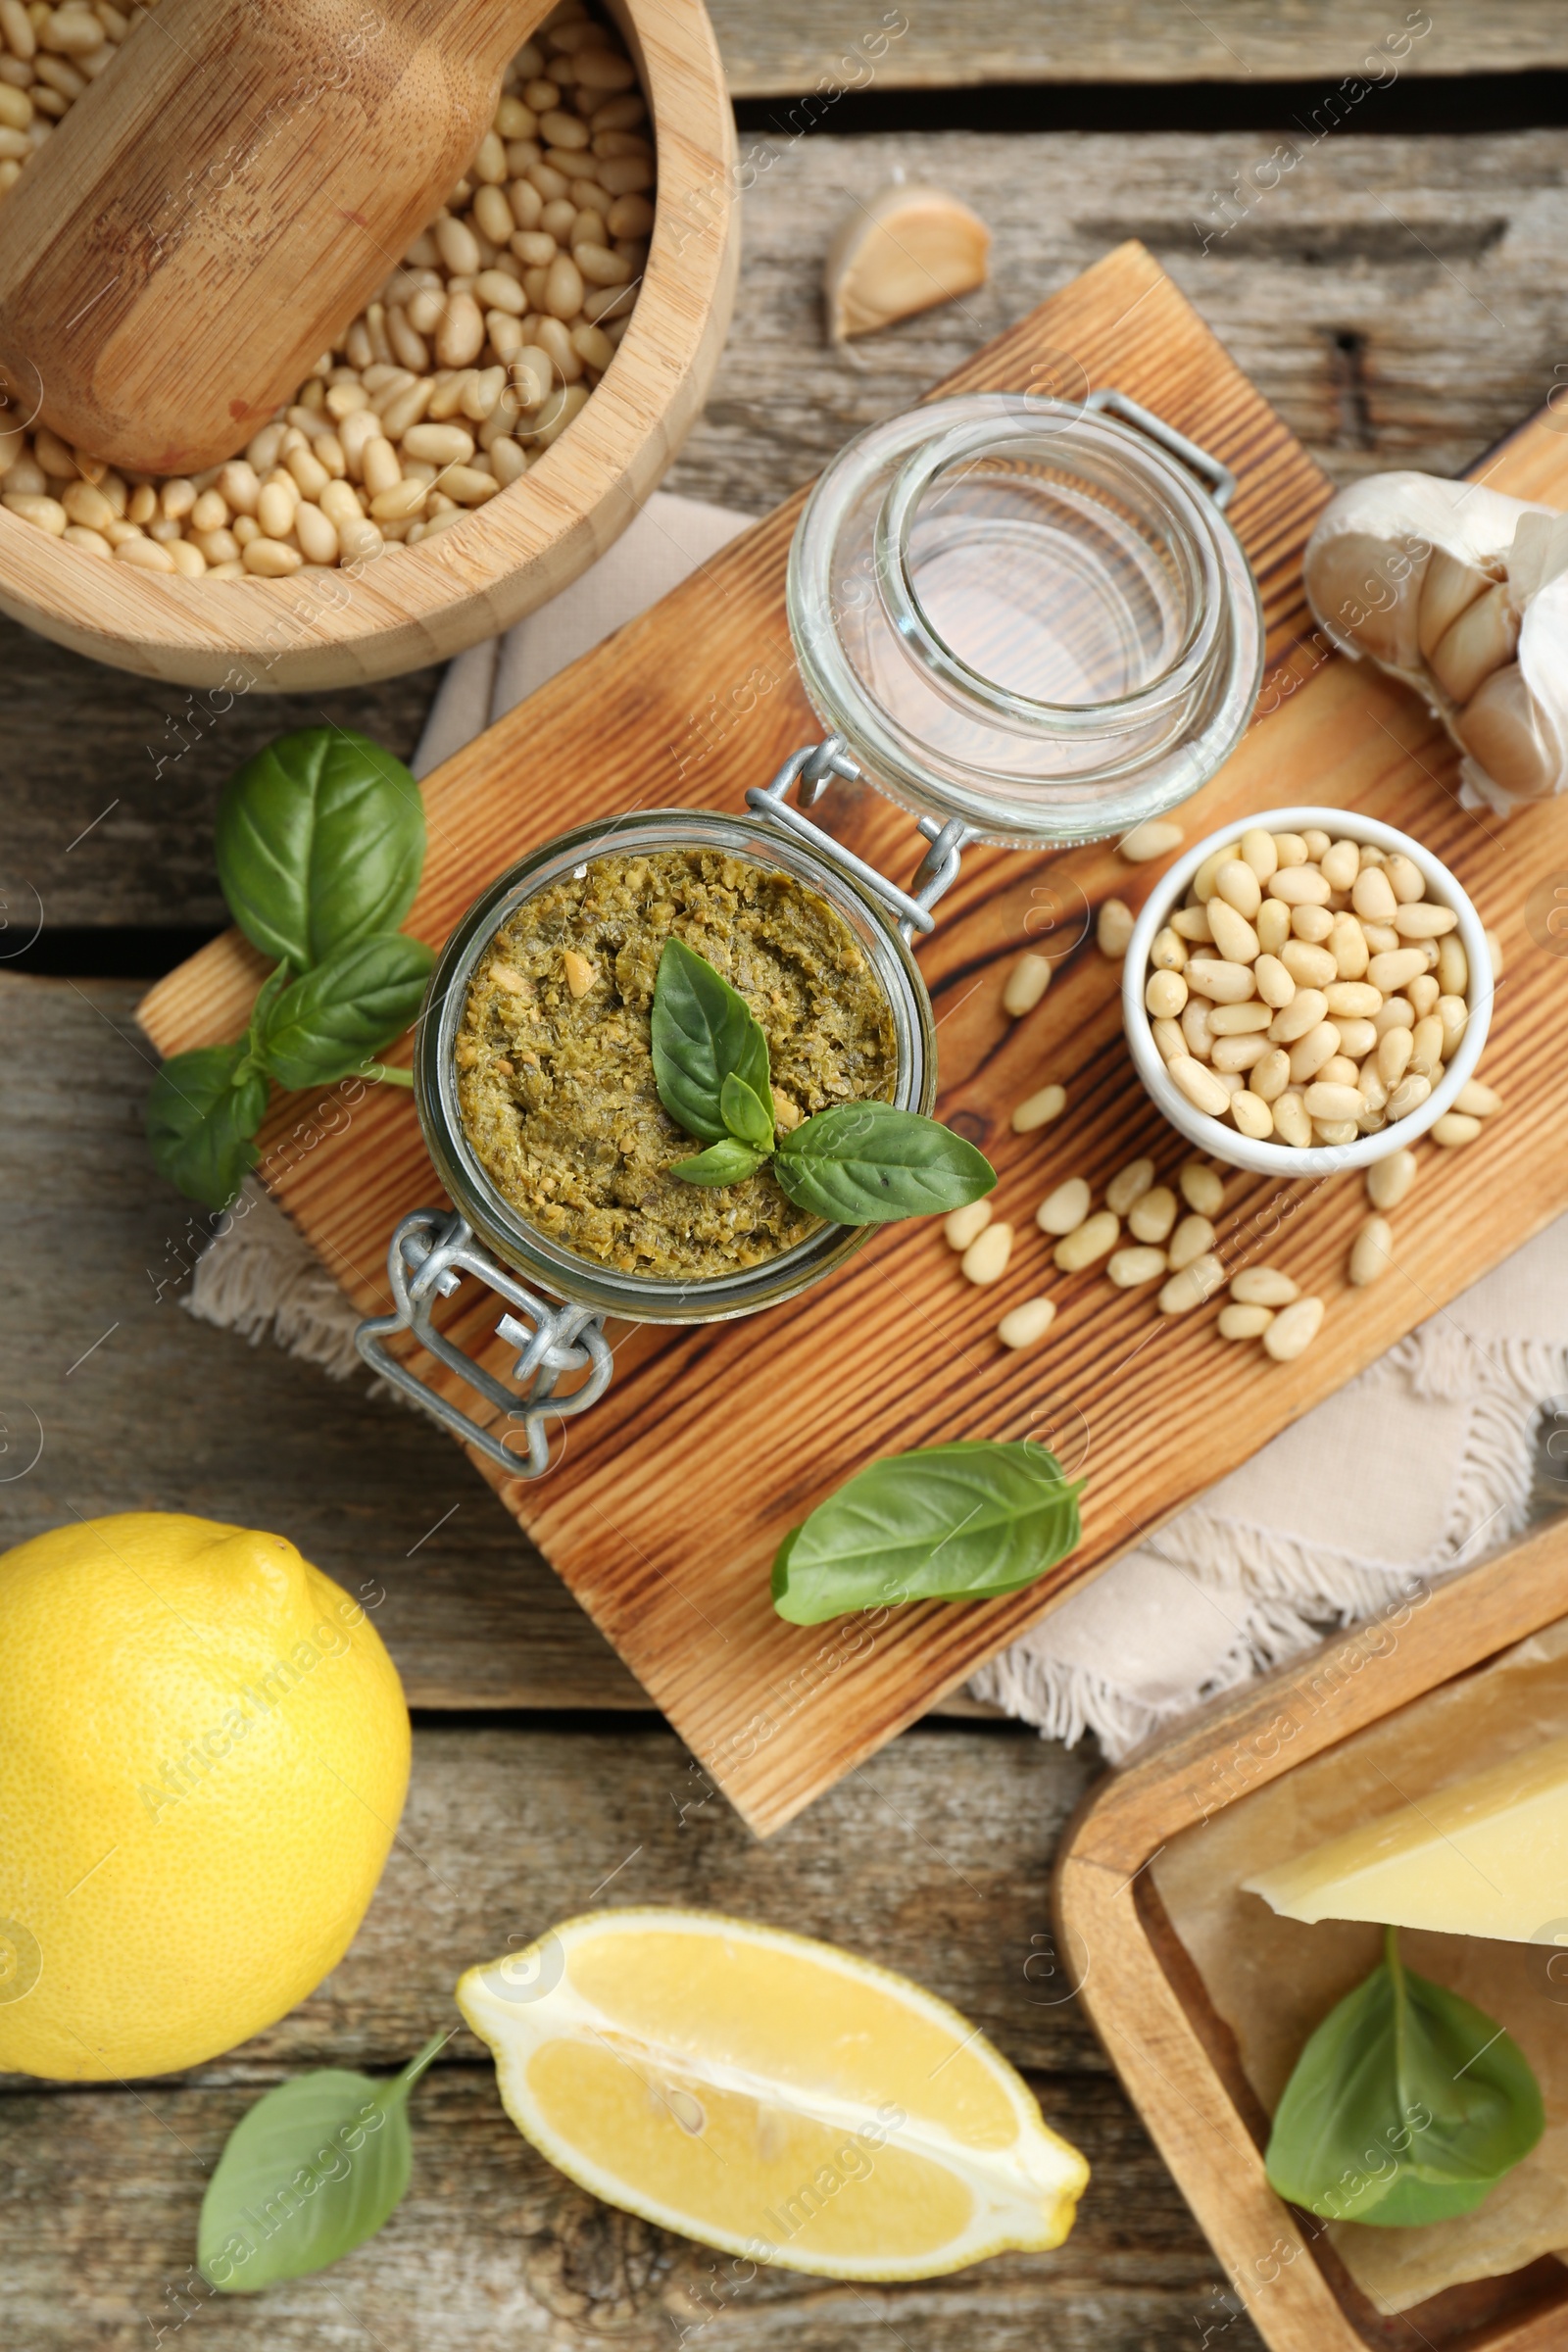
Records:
x=204, y=1751
x=1487, y=1856
x=772, y=2096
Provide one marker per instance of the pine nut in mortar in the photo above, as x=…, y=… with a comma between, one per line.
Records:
x=455, y=328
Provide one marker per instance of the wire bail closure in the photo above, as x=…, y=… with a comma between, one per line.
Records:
x=435, y=1248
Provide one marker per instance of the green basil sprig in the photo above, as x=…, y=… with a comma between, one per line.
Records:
x=310, y=2172
x=959, y=1522
x=321, y=841
x=1408, y=2105
x=857, y=1163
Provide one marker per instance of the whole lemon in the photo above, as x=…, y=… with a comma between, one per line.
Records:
x=204, y=1750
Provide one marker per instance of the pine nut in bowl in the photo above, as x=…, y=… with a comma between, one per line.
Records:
x=1319, y=1011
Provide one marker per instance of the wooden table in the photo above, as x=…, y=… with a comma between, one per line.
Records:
x=1401, y=297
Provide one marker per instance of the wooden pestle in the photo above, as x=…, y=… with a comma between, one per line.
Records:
x=214, y=211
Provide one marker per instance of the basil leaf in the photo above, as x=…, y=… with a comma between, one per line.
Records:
x=958, y=1522
x=1408, y=2105
x=727, y=1161
x=319, y=840
x=703, y=1033
x=310, y=2173
x=865, y=1163
x=332, y=1020
x=746, y=1115
x=202, y=1112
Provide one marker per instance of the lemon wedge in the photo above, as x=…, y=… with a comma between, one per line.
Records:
x=772, y=2096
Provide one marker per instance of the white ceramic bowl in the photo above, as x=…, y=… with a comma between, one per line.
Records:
x=1217, y=1137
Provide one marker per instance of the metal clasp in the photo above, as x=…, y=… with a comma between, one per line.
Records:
x=430, y=1252
x=814, y=769
x=1219, y=479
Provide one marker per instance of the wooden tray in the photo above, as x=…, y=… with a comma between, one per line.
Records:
x=1177, y=2057
x=676, y=1492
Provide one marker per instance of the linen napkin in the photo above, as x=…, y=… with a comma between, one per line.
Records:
x=1412, y=1471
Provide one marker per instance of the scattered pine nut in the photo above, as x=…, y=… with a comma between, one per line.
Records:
x=1293, y=1330
x=1039, y=1109
x=1064, y=1211
x=1089, y=1241
x=1494, y=951
x=1155, y=838
x=1130, y=1269
x=1115, y=929
x=986, y=1259
x=1026, y=984
x=1454, y=1128
x=1129, y=1186
x=1023, y=1325
x=1389, y=1180
x=1370, y=1251
x=1244, y=1322
x=1152, y=1218
x=1263, y=1286
x=1192, y=1237
x=1477, y=1101
x=964, y=1225
x=1202, y=1188
x=1191, y=1286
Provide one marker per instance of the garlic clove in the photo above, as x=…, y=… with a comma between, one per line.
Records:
x=1355, y=596
x=1484, y=636
x=908, y=249
x=1449, y=588
x=1498, y=729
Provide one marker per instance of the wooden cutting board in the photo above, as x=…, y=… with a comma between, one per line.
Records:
x=672, y=1496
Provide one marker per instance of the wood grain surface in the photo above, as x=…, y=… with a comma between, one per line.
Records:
x=801, y=45
x=421, y=604
x=1397, y=300
x=1154, y=1411
x=1148, y=2004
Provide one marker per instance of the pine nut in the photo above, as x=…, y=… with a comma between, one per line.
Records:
x=1455, y=1014
x=1356, y=996
x=1494, y=952
x=1276, y=985
x=1408, y=1095
x=1238, y=887
x=1115, y=929
x=1340, y=1069
x=1130, y=1269
x=1039, y=1109
x=1333, y=1101
x=1191, y=924
x=1169, y=951
x=1244, y=1322
x=1293, y=1330
x=1169, y=1039
x=76, y=534
x=1152, y=1218
x=1026, y=984
x=1089, y=1241
x=458, y=246
x=1155, y=839
x=380, y=466
x=269, y=558
x=1317, y=843
x=1405, y=879
x=1371, y=1251
x=1426, y=1047
x=1064, y=1211
x=1309, y=966
x=1218, y=979
x=1395, y=1012
x=1390, y=972
x=1272, y=1076
x=1129, y=1186
x=1200, y=1086
x=1251, y=1115
x=274, y=510
x=1356, y=1039
x=1424, y=921
x=1372, y=895
x=1273, y=925
x=1453, y=968
x=1290, y=1122
x=1382, y=939
x=1346, y=944
x=316, y=533
x=1300, y=886
x=1202, y=1188
x=1454, y=1128
x=1024, y=1326
x=1191, y=1286
x=1234, y=935
x=1387, y=1181
x=1164, y=995
x=1342, y=862
x=1477, y=1101
x=440, y=444
x=1233, y=1053
x=1238, y=1021
x=1423, y=992
x=986, y=1259
x=1203, y=880
x=459, y=337
x=1192, y=1239
x=1311, y=1052
x=1260, y=851
x=1264, y=1286
x=1197, y=1029
x=964, y=1225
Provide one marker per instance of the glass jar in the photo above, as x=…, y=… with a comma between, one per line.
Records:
x=1027, y=615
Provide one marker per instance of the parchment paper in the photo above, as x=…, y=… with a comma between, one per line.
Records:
x=1273, y=1980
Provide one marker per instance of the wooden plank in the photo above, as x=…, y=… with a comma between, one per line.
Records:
x=805, y=45
x=762, y=1704
x=936, y=1862
x=1378, y=344
x=1148, y=2004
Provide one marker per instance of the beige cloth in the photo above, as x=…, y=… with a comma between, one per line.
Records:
x=1438, y=1432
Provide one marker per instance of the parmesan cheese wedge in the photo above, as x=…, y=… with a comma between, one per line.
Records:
x=1487, y=1856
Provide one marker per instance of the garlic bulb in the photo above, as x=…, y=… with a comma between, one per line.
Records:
x=1463, y=592
x=908, y=249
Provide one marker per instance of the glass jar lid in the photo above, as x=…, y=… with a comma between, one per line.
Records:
x=1026, y=615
